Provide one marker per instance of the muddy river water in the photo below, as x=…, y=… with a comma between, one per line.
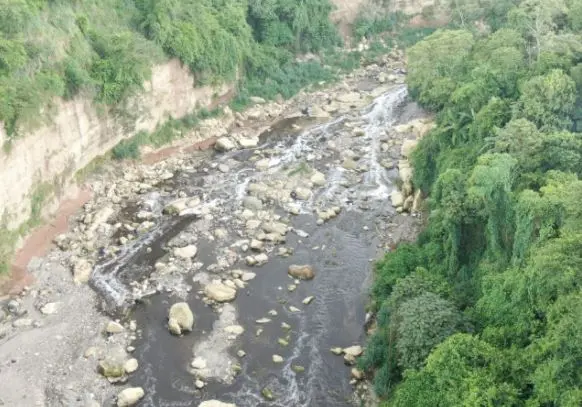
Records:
x=328, y=182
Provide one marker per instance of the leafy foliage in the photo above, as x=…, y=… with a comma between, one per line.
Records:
x=107, y=48
x=502, y=168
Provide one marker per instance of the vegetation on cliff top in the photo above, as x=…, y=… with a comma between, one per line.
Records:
x=105, y=49
x=485, y=308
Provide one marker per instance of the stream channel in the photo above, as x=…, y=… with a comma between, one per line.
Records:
x=351, y=152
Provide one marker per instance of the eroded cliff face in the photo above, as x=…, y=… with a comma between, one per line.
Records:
x=78, y=133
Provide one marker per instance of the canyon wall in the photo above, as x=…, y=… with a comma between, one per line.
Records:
x=78, y=133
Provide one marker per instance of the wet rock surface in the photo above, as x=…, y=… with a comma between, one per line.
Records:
x=267, y=241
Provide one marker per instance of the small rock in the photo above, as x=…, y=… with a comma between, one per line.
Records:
x=261, y=259
x=82, y=270
x=248, y=276
x=298, y=369
x=22, y=322
x=353, y=350
x=180, y=318
x=50, y=308
x=294, y=309
x=357, y=374
x=199, y=384
x=111, y=367
x=308, y=300
x=13, y=307
x=263, y=321
x=256, y=245
x=303, y=193
x=397, y=199
x=318, y=179
x=130, y=366
x=285, y=326
x=130, y=397
x=302, y=272
x=248, y=142
x=349, y=164
x=291, y=287
x=358, y=132
x=253, y=203
x=186, y=252
x=278, y=359
x=223, y=168
x=349, y=360
x=241, y=353
x=234, y=330
x=224, y=144
x=114, y=327
x=337, y=351
x=220, y=292
x=283, y=342
x=215, y=403
x=267, y=394
x=199, y=363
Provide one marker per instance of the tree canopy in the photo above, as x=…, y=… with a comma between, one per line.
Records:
x=493, y=317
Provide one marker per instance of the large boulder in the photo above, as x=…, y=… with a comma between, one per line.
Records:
x=220, y=292
x=186, y=252
x=302, y=272
x=215, y=403
x=397, y=198
x=225, y=144
x=180, y=319
x=130, y=397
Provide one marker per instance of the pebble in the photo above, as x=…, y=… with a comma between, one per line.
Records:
x=294, y=309
x=263, y=321
x=241, y=353
x=273, y=313
x=199, y=384
x=278, y=359
x=285, y=325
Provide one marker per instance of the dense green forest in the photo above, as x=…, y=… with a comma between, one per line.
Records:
x=106, y=48
x=485, y=309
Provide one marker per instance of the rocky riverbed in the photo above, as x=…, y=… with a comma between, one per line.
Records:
x=234, y=275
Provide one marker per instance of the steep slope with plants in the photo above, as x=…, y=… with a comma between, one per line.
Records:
x=485, y=308
x=78, y=77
